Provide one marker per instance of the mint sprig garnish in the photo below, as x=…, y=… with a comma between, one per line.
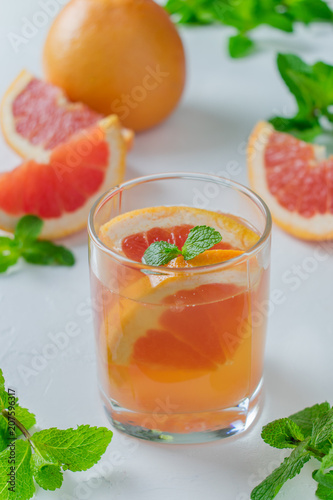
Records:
x=200, y=238
x=310, y=433
x=26, y=245
x=43, y=456
x=312, y=88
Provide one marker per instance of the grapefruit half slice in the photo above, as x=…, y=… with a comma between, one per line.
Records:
x=132, y=232
x=37, y=116
x=295, y=179
x=62, y=186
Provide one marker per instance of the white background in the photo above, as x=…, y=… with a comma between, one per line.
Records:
x=222, y=102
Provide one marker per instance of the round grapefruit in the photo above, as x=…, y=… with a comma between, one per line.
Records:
x=295, y=179
x=61, y=186
x=117, y=56
x=37, y=116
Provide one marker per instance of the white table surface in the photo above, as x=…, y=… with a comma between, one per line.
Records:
x=222, y=102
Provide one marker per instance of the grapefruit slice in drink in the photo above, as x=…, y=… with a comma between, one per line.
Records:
x=37, y=116
x=61, y=186
x=171, y=325
x=295, y=179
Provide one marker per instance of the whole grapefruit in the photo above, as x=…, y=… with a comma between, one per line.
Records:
x=117, y=56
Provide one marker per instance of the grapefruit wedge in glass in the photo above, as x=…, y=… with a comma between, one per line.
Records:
x=295, y=179
x=37, y=116
x=62, y=184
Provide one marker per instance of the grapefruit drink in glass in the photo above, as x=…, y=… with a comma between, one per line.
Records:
x=180, y=346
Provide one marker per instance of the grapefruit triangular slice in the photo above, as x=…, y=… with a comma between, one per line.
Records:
x=37, y=116
x=61, y=188
x=295, y=179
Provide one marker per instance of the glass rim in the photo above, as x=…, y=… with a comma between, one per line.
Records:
x=105, y=197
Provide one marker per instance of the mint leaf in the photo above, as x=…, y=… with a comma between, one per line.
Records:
x=23, y=481
x=312, y=87
x=9, y=253
x=240, y=46
x=294, y=72
x=46, y=473
x=32, y=250
x=4, y=436
x=47, y=253
x=308, y=11
x=323, y=479
x=73, y=449
x=8, y=428
x=199, y=12
x=2, y=389
x=200, y=238
x=25, y=417
x=322, y=428
x=2, y=382
x=28, y=228
x=276, y=20
x=282, y=433
x=290, y=467
x=305, y=418
x=327, y=461
x=160, y=253
x=324, y=493
x=304, y=130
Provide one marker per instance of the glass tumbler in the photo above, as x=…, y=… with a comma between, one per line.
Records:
x=180, y=350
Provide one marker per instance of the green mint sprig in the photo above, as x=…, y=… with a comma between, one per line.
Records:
x=247, y=15
x=312, y=87
x=26, y=245
x=200, y=238
x=43, y=456
x=310, y=434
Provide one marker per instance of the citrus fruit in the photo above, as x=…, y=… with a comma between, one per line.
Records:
x=117, y=56
x=295, y=179
x=132, y=232
x=37, y=116
x=150, y=335
x=62, y=186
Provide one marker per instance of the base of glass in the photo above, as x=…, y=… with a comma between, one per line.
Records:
x=186, y=428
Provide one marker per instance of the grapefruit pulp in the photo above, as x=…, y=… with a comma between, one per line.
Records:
x=37, y=116
x=61, y=188
x=295, y=179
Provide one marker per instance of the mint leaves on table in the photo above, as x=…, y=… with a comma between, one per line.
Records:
x=312, y=87
x=43, y=456
x=200, y=238
x=26, y=245
x=247, y=15
x=310, y=434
